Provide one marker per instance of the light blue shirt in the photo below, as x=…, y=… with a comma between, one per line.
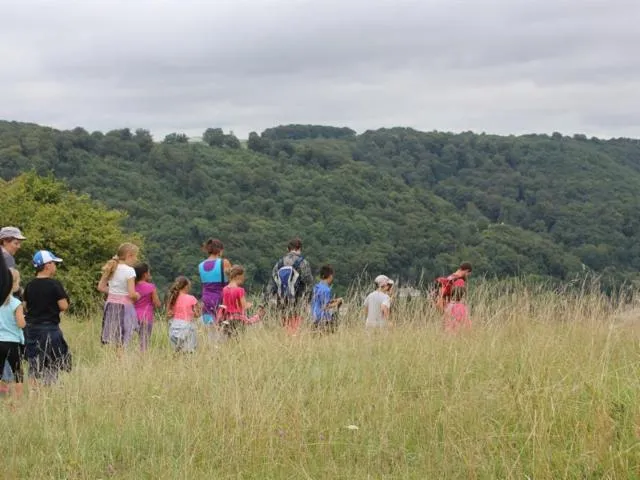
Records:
x=9, y=330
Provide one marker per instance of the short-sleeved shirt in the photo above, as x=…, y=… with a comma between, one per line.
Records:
x=321, y=298
x=183, y=309
x=374, y=303
x=118, y=284
x=9, y=330
x=41, y=296
x=8, y=259
x=144, y=306
x=232, y=299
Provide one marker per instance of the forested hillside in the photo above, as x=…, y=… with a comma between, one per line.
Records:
x=395, y=200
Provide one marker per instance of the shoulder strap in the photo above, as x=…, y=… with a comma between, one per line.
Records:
x=298, y=262
x=221, y=270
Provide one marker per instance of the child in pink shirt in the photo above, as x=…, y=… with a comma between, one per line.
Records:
x=456, y=312
x=146, y=304
x=232, y=314
x=182, y=309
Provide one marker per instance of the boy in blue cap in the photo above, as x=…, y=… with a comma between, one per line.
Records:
x=44, y=299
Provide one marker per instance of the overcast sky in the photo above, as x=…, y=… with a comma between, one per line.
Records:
x=499, y=66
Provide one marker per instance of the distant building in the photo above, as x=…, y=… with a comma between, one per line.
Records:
x=404, y=292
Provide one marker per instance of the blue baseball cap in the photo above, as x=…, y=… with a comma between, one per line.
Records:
x=42, y=257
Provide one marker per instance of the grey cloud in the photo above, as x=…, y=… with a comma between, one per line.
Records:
x=487, y=65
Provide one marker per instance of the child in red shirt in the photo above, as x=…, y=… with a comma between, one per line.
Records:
x=232, y=314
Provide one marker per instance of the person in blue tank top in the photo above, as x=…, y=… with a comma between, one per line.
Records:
x=213, y=277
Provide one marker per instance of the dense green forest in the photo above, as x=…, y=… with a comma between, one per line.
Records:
x=399, y=201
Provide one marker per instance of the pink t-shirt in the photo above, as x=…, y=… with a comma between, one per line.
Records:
x=231, y=297
x=144, y=306
x=183, y=309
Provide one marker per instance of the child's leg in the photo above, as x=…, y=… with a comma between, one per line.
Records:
x=145, y=335
x=15, y=362
x=292, y=324
x=7, y=374
x=6, y=377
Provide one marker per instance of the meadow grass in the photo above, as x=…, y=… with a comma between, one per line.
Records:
x=543, y=386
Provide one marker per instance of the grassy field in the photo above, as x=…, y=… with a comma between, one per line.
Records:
x=543, y=386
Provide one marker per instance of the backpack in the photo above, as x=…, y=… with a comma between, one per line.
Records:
x=287, y=280
x=444, y=288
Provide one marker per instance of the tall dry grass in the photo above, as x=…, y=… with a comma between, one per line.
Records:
x=543, y=386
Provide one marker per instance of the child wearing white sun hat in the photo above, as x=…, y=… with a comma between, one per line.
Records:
x=377, y=305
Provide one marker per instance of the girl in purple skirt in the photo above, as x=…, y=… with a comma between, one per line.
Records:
x=119, y=282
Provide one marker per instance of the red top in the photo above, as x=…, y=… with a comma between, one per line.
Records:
x=231, y=298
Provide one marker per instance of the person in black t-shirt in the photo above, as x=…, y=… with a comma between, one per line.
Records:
x=44, y=298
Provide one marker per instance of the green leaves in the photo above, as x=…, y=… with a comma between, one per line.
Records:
x=82, y=232
x=408, y=203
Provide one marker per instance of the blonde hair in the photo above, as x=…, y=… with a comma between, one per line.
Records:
x=15, y=275
x=124, y=250
x=235, y=272
x=174, y=292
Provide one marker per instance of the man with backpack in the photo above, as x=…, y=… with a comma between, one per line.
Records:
x=291, y=284
x=445, y=285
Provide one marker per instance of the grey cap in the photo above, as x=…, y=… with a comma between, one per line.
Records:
x=11, y=232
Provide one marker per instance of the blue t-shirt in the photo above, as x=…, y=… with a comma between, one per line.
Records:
x=321, y=297
x=9, y=330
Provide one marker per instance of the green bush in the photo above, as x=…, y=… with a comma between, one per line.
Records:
x=83, y=232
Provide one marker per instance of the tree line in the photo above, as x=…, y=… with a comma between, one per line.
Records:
x=410, y=203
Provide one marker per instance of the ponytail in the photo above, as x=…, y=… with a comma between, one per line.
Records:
x=174, y=292
x=110, y=267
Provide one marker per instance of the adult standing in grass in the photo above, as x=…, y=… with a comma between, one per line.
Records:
x=10, y=242
x=213, y=278
x=377, y=305
x=291, y=284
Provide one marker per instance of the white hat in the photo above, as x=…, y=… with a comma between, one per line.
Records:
x=11, y=232
x=42, y=257
x=383, y=280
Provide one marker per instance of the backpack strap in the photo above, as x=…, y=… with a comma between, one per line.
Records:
x=298, y=262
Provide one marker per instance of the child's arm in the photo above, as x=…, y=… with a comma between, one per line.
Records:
x=103, y=284
x=197, y=310
x=244, y=304
x=334, y=303
x=156, y=299
x=63, y=304
x=131, y=289
x=19, y=313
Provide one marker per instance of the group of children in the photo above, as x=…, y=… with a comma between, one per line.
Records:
x=132, y=299
x=31, y=327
